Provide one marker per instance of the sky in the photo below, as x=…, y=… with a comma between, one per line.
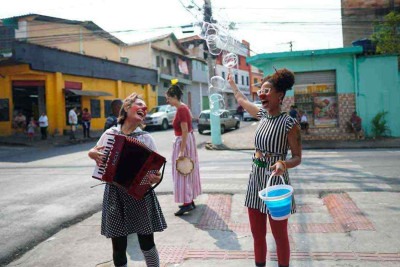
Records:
x=269, y=26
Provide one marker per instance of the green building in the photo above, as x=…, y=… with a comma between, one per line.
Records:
x=333, y=83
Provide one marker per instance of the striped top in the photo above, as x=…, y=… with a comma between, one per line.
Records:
x=271, y=137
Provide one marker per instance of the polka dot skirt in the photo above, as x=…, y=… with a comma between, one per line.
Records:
x=123, y=215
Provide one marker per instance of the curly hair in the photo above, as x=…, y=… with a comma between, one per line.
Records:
x=282, y=80
x=127, y=103
x=175, y=91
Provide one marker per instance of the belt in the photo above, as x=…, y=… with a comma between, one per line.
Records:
x=266, y=155
x=259, y=154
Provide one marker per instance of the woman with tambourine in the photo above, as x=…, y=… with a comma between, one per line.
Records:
x=276, y=132
x=185, y=162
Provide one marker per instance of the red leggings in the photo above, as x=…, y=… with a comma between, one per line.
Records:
x=258, y=225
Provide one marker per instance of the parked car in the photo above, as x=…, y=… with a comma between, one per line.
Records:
x=160, y=117
x=247, y=116
x=227, y=121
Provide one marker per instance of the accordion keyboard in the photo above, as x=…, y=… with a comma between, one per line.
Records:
x=99, y=171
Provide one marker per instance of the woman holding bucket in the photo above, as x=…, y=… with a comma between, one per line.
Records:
x=276, y=132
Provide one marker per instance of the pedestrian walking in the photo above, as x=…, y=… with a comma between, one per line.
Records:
x=122, y=214
x=186, y=187
x=112, y=118
x=275, y=133
x=86, y=118
x=43, y=124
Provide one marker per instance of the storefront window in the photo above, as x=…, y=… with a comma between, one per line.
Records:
x=319, y=102
x=95, y=108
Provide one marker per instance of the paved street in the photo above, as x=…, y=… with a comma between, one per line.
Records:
x=45, y=190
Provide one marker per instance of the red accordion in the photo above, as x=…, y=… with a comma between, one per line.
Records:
x=127, y=163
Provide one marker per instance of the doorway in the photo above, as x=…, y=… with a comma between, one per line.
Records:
x=28, y=98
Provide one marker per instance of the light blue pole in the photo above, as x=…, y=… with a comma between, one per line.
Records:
x=215, y=124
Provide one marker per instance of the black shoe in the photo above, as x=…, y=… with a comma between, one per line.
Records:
x=194, y=205
x=184, y=209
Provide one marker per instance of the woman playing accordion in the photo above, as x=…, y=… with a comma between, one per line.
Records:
x=122, y=214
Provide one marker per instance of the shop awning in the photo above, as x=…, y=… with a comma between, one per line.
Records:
x=88, y=93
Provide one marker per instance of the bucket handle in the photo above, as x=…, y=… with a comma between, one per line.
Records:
x=270, y=179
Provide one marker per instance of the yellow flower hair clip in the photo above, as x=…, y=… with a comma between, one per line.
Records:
x=174, y=81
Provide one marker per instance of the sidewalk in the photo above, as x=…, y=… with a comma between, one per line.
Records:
x=51, y=141
x=243, y=139
x=345, y=229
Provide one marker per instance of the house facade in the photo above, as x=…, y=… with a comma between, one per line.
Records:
x=166, y=55
x=69, y=64
x=83, y=37
x=241, y=73
x=330, y=84
x=256, y=77
x=200, y=73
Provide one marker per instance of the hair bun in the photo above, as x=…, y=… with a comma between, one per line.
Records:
x=284, y=79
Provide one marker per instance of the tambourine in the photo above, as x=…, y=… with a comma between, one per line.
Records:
x=184, y=165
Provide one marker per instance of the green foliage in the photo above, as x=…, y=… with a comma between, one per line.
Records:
x=379, y=125
x=387, y=34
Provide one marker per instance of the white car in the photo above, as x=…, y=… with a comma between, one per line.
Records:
x=160, y=116
x=247, y=116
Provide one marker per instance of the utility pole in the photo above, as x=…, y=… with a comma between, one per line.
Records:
x=214, y=119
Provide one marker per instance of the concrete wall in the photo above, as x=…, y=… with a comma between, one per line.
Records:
x=379, y=90
x=167, y=44
x=358, y=17
x=139, y=55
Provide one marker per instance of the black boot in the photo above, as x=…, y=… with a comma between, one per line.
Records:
x=194, y=205
x=184, y=209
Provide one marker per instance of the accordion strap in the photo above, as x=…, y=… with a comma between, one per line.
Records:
x=133, y=134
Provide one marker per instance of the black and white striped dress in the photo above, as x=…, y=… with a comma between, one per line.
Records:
x=271, y=136
x=122, y=214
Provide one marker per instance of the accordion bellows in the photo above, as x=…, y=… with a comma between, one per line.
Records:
x=127, y=163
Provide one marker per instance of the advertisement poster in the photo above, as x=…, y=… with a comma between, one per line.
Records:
x=325, y=111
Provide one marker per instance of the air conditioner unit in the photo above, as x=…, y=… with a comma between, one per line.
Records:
x=124, y=60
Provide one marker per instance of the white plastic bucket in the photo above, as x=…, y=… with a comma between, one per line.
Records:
x=278, y=199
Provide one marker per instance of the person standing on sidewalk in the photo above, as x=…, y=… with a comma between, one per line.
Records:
x=186, y=187
x=43, y=124
x=293, y=112
x=275, y=133
x=86, y=118
x=122, y=214
x=31, y=129
x=73, y=121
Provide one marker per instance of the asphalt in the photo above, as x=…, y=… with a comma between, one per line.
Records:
x=331, y=228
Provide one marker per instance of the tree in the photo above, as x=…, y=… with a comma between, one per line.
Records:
x=387, y=34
